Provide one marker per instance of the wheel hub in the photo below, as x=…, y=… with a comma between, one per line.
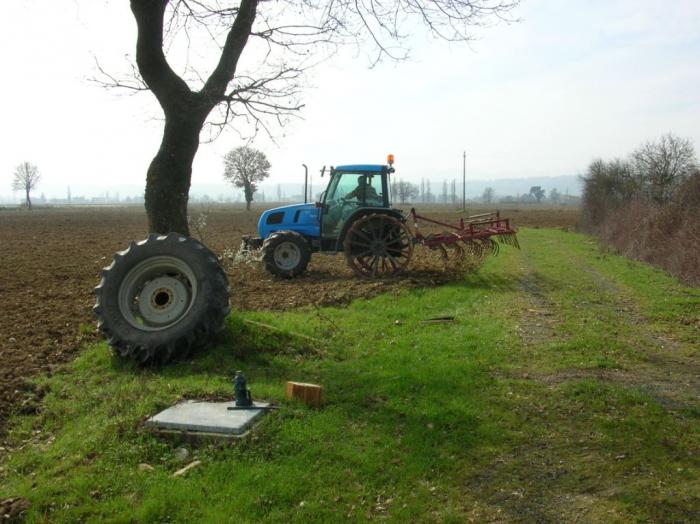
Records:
x=378, y=245
x=163, y=300
x=378, y=248
x=287, y=255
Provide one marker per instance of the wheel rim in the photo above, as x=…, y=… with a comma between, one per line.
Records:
x=378, y=246
x=157, y=293
x=287, y=256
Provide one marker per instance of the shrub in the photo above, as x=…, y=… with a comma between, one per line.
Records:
x=666, y=235
x=606, y=187
x=648, y=207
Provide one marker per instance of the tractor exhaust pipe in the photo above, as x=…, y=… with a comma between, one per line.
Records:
x=306, y=182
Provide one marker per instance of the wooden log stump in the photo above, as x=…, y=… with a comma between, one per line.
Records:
x=309, y=394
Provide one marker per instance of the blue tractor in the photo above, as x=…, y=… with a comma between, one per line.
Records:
x=354, y=216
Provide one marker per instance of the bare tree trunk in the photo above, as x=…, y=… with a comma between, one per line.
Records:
x=29, y=202
x=168, y=177
x=248, y=192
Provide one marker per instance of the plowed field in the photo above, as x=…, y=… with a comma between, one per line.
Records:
x=50, y=261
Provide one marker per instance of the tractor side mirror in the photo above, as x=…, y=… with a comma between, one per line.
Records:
x=318, y=205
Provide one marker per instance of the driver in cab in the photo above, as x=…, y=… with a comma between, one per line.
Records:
x=363, y=191
x=339, y=210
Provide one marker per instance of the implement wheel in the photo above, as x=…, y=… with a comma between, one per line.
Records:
x=160, y=298
x=378, y=245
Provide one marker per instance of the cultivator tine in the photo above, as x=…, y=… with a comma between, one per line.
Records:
x=442, y=250
x=469, y=248
x=434, y=244
x=509, y=239
x=514, y=240
x=475, y=249
x=493, y=246
x=451, y=242
x=459, y=252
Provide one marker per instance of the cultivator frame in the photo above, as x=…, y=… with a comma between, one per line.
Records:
x=476, y=232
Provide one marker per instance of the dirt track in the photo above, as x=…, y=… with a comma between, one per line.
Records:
x=50, y=261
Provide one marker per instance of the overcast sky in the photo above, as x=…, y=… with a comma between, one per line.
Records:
x=574, y=80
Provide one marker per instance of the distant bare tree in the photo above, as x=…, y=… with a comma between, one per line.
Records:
x=406, y=191
x=26, y=178
x=245, y=167
x=663, y=164
x=554, y=196
x=488, y=195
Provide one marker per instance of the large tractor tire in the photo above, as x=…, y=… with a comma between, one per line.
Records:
x=161, y=298
x=286, y=253
x=378, y=245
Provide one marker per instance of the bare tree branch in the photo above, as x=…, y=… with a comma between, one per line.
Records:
x=291, y=32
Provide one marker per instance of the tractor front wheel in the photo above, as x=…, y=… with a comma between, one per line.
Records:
x=286, y=253
x=378, y=245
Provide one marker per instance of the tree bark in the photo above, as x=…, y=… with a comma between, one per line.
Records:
x=248, y=193
x=170, y=172
x=29, y=202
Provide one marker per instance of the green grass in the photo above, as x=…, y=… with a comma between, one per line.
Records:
x=544, y=401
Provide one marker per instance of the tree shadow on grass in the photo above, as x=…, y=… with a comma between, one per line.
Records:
x=240, y=346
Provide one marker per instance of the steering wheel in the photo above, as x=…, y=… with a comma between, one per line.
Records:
x=342, y=202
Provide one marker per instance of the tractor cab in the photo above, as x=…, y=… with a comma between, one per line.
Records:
x=351, y=189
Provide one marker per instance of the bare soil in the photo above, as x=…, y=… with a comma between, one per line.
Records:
x=50, y=261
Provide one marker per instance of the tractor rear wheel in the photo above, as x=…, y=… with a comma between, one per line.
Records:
x=378, y=245
x=286, y=253
x=160, y=298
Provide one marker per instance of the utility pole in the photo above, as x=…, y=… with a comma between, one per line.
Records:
x=464, y=181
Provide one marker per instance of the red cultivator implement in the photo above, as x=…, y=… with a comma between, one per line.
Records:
x=473, y=236
x=381, y=245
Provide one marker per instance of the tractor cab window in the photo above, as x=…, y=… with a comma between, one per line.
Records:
x=347, y=192
x=361, y=188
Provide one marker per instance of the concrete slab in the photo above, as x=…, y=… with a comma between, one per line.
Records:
x=206, y=418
